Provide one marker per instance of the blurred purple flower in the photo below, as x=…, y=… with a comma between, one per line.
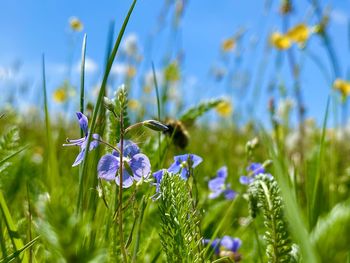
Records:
x=218, y=185
x=215, y=244
x=136, y=165
x=82, y=142
x=183, y=164
x=232, y=244
x=253, y=170
x=225, y=244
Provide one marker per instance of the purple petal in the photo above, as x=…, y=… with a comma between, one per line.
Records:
x=230, y=243
x=215, y=193
x=79, y=158
x=216, y=183
x=222, y=172
x=215, y=244
x=95, y=142
x=246, y=180
x=83, y=122
x=158, y=176
x=184, y=173
x=195, y=160
x=256, y=168
x=127, y=179
x=230, y=194
x=174, y=168
x=140, y=166
x=129, y=148
x=107, y=167
x=74, y=142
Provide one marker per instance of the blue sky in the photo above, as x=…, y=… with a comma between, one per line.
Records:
x=29, y=29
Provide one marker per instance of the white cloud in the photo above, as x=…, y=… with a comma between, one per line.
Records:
x=119, y=69
x=90, y=66
x=130, y=44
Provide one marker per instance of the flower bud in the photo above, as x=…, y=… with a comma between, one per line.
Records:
x=155, y=125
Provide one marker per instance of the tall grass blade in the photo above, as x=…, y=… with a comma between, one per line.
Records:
x=52, y=158
x=293, y=214
x=99, y=103
x=11, y=228
x=316, y=194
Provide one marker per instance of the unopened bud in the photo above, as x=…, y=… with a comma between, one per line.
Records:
x=155, y=125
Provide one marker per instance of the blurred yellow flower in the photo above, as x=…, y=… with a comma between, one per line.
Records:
x=133, y=104
x=172, y=72
x=228, y=44
x=343, y=86
x=75, y=24
x=299, y=33
x=131, y=71
x=147, y=89
x=60, y=95
x=224, y=108
x=280, y=41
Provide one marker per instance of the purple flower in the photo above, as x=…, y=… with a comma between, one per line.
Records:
x=158, y=176
x=218, y=185
x=136, y=165
x=215, y=244
x=183, y=164
x=232, y=244
x=253, y=170
x=226, y=243
x=82, y=142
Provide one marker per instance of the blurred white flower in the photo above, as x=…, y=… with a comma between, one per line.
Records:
x=284, y=107
x=130, y=45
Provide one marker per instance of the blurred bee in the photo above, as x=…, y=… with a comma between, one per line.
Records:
x=177, y=132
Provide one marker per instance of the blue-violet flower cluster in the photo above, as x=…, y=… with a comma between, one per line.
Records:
x=182, y=164
x=226, y=246
x=253, y=170
x=219, y=186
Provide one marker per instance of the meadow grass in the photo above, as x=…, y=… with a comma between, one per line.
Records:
x=272, y=200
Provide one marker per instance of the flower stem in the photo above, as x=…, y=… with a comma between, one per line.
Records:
x=108, y=144
x=121, y=234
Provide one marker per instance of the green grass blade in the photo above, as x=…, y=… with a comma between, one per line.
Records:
x=158, y=112
x=11, y=227
x=82, y=76
x=99, y=102
x=12, y=155
x=294, y=217
x=52, y=160
x=314, y=213
x=14, y=255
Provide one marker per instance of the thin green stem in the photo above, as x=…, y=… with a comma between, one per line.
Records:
x=82, y=78
x=121, y=234
x=158, y=110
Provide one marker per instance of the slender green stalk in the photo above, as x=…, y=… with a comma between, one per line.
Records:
x=315, y=192
x=52, y=160
x=158, y=112
x=15, y=254
x=29, y=225
x=112, y=56
x=82, y=76
x=11, y=228
x=121, y=234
